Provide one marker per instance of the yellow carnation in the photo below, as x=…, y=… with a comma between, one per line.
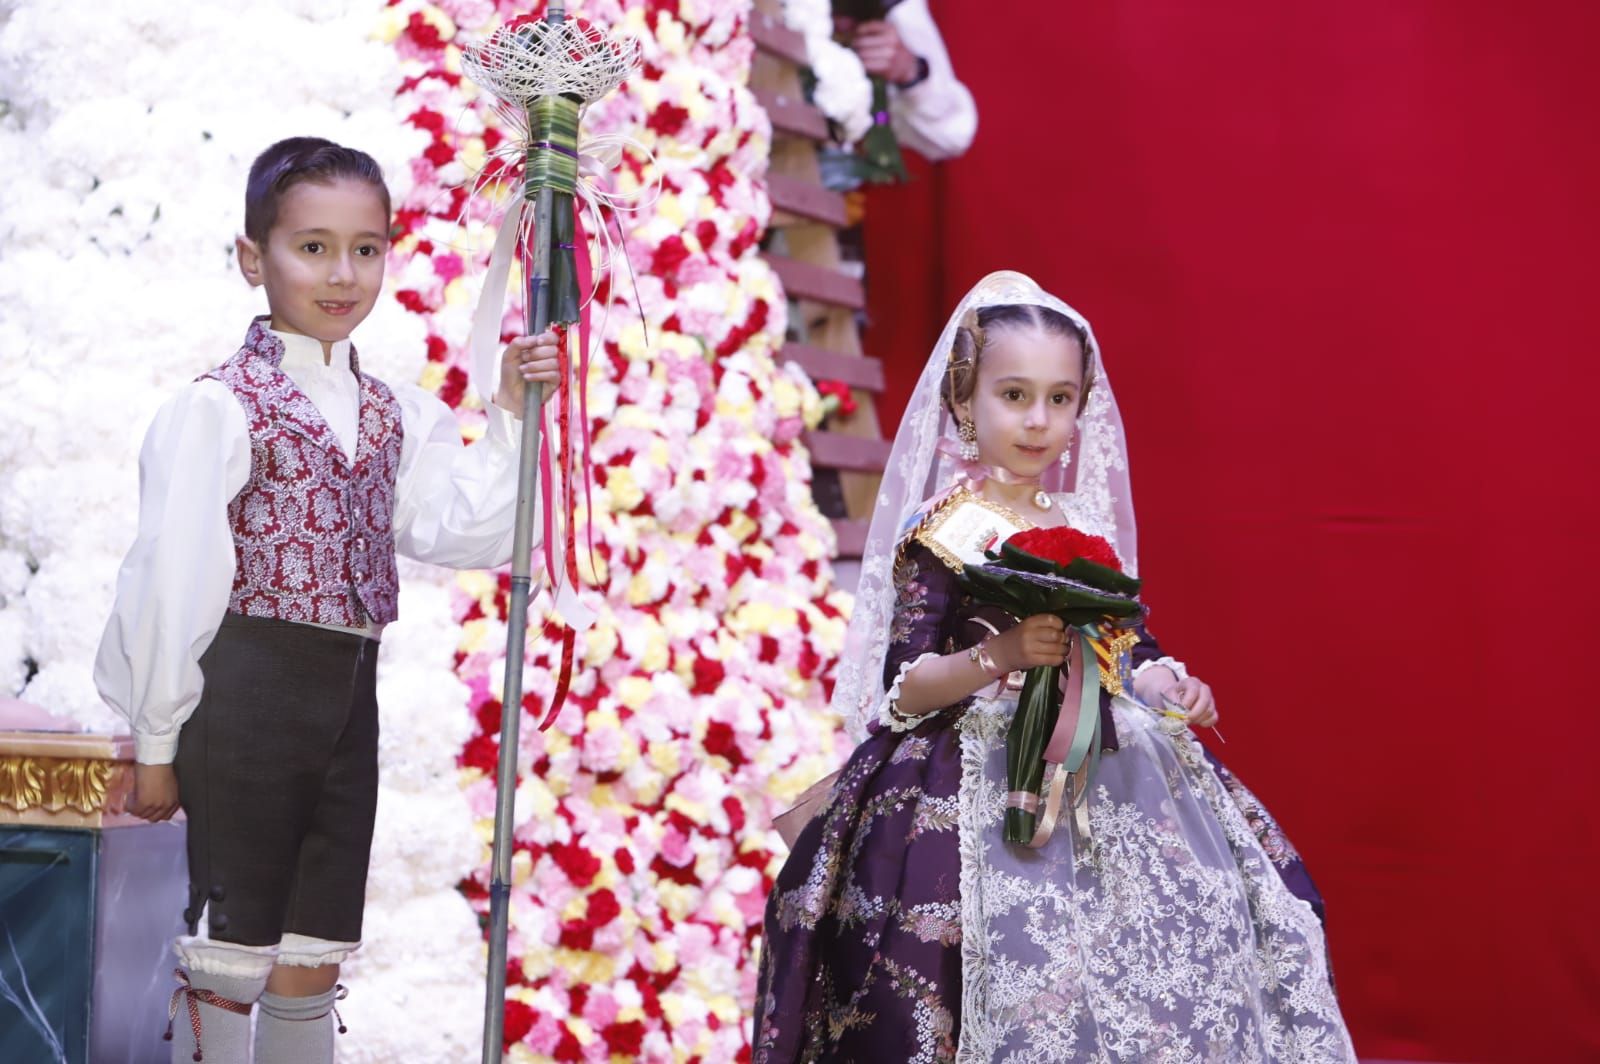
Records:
x=634, y=692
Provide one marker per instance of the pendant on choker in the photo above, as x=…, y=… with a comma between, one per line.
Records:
x=1041, y=499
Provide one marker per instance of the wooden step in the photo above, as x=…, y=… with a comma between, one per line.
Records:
x=820, y=364
x=807, y=200
x=837, y=450
x=852, y=537
x=802, y=280
x=792, y=115
x=773, y=36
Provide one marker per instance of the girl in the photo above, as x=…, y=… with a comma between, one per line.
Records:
x=903, y=926
x=242, y=646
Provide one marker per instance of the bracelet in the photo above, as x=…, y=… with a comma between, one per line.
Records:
x=979, y=655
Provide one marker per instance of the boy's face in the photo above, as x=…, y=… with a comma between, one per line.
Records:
x=323, y=262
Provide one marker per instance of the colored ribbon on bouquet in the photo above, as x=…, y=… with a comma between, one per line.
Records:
x=1074, y=743
x=593, y=193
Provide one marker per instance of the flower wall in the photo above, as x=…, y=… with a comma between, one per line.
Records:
x=643, y=851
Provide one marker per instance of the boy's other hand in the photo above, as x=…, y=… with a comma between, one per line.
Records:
x=883, y=53
x=527, y=359
x=155, y=792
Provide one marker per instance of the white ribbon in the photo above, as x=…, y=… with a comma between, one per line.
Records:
x=597, y=156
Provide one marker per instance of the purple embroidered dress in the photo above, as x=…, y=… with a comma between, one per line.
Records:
x=903, y=927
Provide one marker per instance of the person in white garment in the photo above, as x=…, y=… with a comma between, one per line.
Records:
x=275, y=492
x=930, y=109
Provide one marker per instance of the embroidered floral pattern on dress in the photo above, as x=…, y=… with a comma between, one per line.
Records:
x=910, y=602
x=903, y=928
x=313, y=533
x=1173, y=938
x=1274, y=841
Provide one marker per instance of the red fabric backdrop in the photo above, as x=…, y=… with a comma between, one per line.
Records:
x=1340, y=259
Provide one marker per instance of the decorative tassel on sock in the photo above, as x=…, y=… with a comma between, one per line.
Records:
x=298, y=1030
x=217, y=1008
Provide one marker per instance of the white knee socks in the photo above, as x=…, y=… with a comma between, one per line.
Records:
x=296, y=1030
x=217, y=1008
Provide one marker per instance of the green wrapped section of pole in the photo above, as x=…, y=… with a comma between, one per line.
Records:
x=882, y=163
x=549, y=207
x=553, y=165
x=553, y=162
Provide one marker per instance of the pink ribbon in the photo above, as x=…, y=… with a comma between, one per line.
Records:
x=971, y=473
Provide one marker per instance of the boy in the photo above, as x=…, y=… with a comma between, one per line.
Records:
x=274, y=493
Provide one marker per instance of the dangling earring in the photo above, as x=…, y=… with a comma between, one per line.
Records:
x=1066, y=456
x=969, y=440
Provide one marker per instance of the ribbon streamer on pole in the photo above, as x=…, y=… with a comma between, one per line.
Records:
x=543, y=71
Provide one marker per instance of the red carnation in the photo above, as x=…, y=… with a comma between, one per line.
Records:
x=425, y=33
x=667, y=119
x=412, y=300
x=705, y=231
x=482, y=752
x=839, y=391
x=669, y=256
x=603, y=908
x=439, y=153
x=735, y=811
x=454, y=387
x=1065, y=545
x=432, y=121
x=520, y=1017
x=721, y=742
x=624, y=1039
x=568, y=1048
x=579, y=864
x=708, y=676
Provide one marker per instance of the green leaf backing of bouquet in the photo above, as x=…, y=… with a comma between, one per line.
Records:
x=1082, y=569
x=1024, y=594
x=1038, y=707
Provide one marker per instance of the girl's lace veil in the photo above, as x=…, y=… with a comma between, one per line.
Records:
x=1094, y=490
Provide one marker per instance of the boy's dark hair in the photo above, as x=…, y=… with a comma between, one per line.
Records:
x=967, y=350
x=296, y=159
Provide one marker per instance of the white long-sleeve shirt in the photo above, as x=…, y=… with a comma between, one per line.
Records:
x=937, y=116
x=454, y=506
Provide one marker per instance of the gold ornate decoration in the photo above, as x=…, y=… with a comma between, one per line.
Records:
x=21, y=782
x=1113, y=654
x=53, y=784
x=952, y=531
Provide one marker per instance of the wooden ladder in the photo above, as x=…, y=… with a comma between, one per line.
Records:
x=848, y=458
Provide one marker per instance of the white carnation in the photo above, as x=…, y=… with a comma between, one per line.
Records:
x=843, y=92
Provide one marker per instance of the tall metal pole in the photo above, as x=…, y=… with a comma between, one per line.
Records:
x=537, y=316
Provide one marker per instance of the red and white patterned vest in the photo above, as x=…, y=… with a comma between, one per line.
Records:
x=313, y=534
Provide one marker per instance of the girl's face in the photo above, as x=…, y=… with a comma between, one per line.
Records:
x=1025, y=404
x=323, y=263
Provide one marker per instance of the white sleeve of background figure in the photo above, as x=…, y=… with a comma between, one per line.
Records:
x=936, y=116
x=173, y=587
x=455, y=505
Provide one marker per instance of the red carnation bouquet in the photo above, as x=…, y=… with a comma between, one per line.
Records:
x=1065, y=545
x=1079, y=578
